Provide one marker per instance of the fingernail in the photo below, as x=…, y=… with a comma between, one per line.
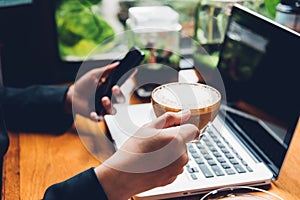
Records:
x=120, y=99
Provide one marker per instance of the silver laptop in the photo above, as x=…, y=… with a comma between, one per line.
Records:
x=245, y=150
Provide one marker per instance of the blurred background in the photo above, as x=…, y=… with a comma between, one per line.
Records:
x=45, y=41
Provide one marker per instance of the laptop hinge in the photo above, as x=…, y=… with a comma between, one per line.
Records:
x=247, y=143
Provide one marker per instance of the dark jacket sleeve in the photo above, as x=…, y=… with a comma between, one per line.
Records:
x=4, y=142
x=82, y=186
x=35, y=109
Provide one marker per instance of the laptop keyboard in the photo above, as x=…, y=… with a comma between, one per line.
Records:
x=213, y=156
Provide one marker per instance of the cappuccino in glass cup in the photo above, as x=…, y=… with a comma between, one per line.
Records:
x=202, y=100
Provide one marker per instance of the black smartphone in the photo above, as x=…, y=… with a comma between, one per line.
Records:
x=117, y=76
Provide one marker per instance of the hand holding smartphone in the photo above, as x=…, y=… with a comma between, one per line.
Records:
x=117, y=76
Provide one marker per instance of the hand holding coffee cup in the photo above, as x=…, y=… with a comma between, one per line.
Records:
x=202, y=100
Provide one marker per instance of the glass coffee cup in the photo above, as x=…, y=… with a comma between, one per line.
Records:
x=202, y=100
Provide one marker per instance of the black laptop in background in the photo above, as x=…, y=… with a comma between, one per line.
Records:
x=260, y=65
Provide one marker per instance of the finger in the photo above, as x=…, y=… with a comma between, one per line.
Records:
x=185, y=159
x=95, y=117
x=107, y=105
x=105, y=71
x=118, y=95
x=135, y=71
x=169, y=181
x=179, y=163
x=185, y=132
x=109, y=68
x=170, y=119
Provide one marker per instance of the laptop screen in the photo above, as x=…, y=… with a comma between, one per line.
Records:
x=259, y=61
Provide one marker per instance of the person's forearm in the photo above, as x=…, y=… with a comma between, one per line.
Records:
x=36, y=109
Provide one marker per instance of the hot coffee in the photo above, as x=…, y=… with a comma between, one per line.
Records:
x=202, y=100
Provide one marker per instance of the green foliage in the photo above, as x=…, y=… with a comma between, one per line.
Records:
x=89, y=3
x=210, y=61
x=80, y=30
x=270, y=6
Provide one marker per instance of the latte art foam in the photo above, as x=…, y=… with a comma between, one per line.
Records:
x=186, y=96
x=203, y=101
